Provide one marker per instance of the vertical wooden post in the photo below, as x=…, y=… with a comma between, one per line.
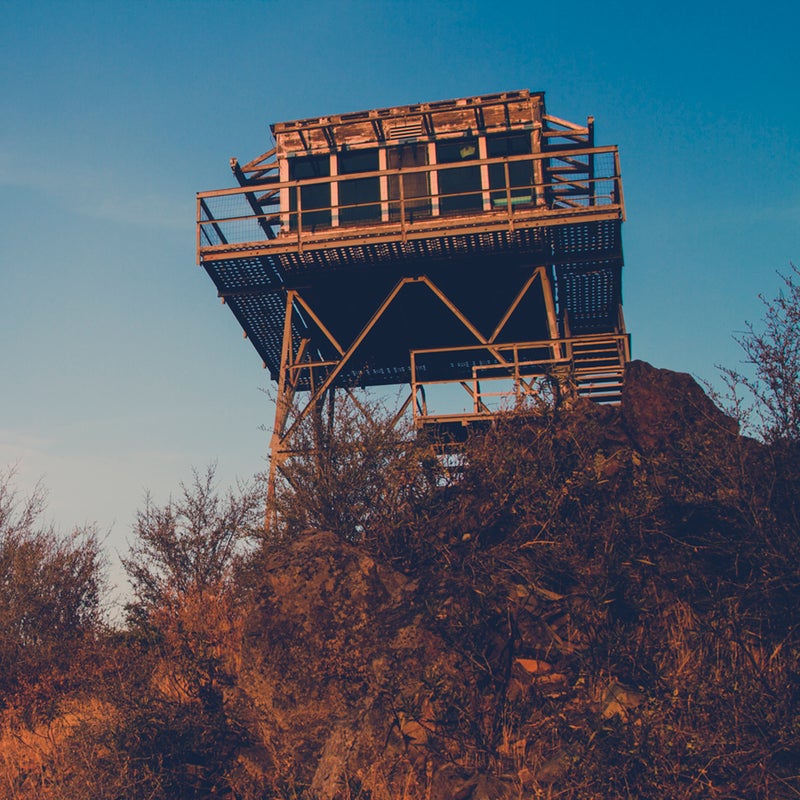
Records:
x=538, y=171
x=433, y=179
x=334, y=170
x=383, y=166
x=485, y=183
x=283, y=405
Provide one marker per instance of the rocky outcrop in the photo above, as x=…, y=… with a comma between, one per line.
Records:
x=660, y=408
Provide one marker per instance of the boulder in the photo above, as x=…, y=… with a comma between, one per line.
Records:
x=660, y=408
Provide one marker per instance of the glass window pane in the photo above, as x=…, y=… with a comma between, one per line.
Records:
x=359, y=198
x=315, y=196
x=459, y=188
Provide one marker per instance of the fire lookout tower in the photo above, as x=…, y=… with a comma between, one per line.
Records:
x=471, y=242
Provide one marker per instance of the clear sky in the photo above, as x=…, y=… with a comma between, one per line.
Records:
x=119, y=368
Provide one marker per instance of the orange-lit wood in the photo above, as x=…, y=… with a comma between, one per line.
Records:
x=473, y=243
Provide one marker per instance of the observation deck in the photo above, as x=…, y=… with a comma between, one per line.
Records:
x=463, y=241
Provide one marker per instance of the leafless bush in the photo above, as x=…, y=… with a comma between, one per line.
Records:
x=360, y=473
x=766, y=396
x=50, y=593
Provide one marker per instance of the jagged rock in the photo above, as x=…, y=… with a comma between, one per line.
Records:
x=453, y=784
x=330, y=771
x=661, y=407
x=620, y=700
x=551, y=770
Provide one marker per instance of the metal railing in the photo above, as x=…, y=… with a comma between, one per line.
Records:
x=513, y=374
x=273, y=215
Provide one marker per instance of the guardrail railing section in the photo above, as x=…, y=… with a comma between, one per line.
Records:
x=399, y=197
x=522, y=374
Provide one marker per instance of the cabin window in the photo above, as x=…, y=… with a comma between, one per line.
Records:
x=416, y=194
x=359, y=198
x=459, y=187
x=520, y=173
x=315, y=199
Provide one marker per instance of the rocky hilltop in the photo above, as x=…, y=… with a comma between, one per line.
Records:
x=593, y=609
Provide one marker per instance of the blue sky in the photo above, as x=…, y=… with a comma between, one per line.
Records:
x=121, y=371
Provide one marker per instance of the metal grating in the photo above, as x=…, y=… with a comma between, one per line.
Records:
x=589, y=296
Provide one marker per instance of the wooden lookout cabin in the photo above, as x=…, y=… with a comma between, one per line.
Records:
x=473, y=243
